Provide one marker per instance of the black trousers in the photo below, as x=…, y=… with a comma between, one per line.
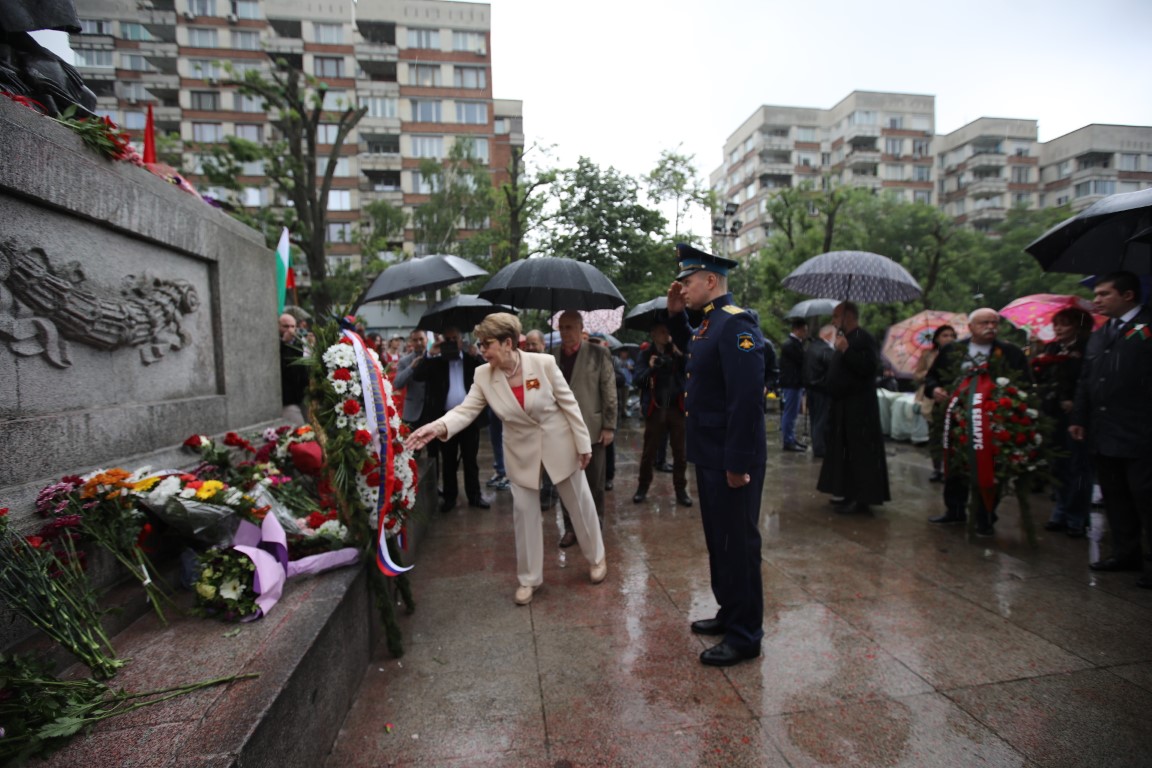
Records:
x=731, y=518
x=819, y=406
x=461, y=449
x=958, y=489
x=1127, y=488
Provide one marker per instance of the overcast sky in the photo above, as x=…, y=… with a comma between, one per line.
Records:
x=621, y=80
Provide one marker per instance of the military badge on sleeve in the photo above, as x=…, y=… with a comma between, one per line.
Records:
x=745, y=342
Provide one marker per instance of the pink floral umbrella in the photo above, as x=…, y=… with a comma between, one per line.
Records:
x=597, y=320
x=1034, y=313
x=908, y=339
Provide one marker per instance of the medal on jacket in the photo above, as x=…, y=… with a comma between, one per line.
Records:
x=703, y=329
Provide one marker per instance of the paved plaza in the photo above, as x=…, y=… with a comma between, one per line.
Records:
x=888, y=642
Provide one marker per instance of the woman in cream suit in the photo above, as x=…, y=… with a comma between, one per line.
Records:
x=543, y=429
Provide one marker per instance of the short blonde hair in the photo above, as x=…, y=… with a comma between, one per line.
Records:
x=498, y=325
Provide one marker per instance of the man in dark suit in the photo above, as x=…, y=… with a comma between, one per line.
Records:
x=413, y=414
x=792, y=383
x=981, y=348
x=447, y=379
x=660, y=378
x=817, y=364
x=1113, y=412
x=726, y=442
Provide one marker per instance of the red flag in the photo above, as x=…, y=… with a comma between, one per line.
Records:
x=149, y=138
x=290, y=281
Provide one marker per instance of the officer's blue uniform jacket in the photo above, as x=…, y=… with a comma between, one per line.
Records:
x=725, y=389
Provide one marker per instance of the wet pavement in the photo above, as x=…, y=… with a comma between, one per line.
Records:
x=888, y=642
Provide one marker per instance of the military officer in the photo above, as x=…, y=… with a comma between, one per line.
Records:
x=726, y=443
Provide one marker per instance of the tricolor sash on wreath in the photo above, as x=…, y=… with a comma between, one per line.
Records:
x=974, y=394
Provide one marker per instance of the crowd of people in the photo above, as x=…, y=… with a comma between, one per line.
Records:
x=551, y=417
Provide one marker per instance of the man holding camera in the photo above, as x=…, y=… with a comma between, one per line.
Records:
x=660, y=378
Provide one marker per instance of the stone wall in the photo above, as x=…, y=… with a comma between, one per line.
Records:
x=132, y=314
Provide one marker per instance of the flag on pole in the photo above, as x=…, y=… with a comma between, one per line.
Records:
x=149, y=137
x=283, y=264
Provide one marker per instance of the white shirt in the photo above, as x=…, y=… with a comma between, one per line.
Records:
x=456, y=391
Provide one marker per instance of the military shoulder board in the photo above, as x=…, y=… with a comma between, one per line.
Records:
x=732, y=310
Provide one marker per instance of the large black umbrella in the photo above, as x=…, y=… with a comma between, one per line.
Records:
x=461, y=312
x=552, y=284
x=811, y=308
x=643, y=316
x=426, y=273
x=860, y=276
x=1112, y=234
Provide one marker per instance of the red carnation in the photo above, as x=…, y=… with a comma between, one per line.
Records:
x=342, y=374
x=1021, y=438
x=1005, y=402
x=963, y=439
x=345, y=340
x=373, y=480
x=193, y=442
x=316, y=519
x=351, y=407
x=1022, y=407
x=34, y=541
x=362, y=437
x=3, y=511
x=307, y=457
x=1012, y=390
x=1026, y=421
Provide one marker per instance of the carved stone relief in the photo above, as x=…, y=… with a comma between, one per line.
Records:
x=43, y=307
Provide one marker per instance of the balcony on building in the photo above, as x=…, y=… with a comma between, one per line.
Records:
x=378, y=70
x=162, y=85
x=864, y=179
x=781, y=180
x=161, y=56
x=380, y=181
x=379, y=152
x=161, y=5
x=776, y=162
x=287, y=43
x=377, y=41
x=987, y=157
x=775, y=139
x=161, y=24
x=853, y=134
x=982, y=216
x=862, y=154
x=987, y=186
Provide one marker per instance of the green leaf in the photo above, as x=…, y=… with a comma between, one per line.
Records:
x=60, y=727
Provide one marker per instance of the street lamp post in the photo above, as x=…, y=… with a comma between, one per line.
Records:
x=726, y=228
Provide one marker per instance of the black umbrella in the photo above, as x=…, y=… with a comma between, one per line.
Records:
x=461, y=312
x=1110, y=235
x=812, y=308
x=860, y=276
x=552, y=284
x=643, y=316
x=426, y=273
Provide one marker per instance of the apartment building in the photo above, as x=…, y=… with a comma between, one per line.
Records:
x=887, y=141
x=1080, y=167
x=422, y=68
x=986, y=168
x=873, y=140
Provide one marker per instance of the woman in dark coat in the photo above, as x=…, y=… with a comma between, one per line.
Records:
x=855, y=469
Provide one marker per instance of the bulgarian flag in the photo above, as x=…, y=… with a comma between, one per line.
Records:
x=283, y=267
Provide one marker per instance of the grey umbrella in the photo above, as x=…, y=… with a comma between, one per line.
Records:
x=643, y=316
x=811, y=308
x=1109, y=235
x=461, y=312
x=552, y=284
x=860, y=276
x=426, y=273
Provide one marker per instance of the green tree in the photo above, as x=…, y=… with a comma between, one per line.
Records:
x=460, y=194
x=299, y=172
x=598, y=218
x=381, y=229
x=676, y=180
x=518, y=208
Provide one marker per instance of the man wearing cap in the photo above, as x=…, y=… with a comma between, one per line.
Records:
x=726, y=443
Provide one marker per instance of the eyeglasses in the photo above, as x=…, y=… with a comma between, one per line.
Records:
x=487, y=342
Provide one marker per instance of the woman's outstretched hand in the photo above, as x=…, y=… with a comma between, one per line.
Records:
x=422, y=436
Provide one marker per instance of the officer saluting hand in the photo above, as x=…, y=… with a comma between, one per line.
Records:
x=726, y=443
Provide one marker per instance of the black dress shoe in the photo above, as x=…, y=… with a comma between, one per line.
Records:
x=683, y=499
x=1053, y=525
x=795, y=448
x=936, y=477
x=707, y=627
x=665, y=467
x=724, y=655
x=841, y=501
x=608, y=485
x=480, y=504
x=447, y=506
x=985, y=532
x=1112, y=564
x=639, y=496
x=568, y=539
x=948, y=519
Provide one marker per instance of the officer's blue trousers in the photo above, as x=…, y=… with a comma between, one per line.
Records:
x=731, y=518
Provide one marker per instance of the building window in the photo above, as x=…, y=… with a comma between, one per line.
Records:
x=1095, y=187
x=862, y=117
x=134, y=62
x=921, y=147
x=242, y=67
x=329, y=34
x=254, y=197
x=921, y=173
x=805, y=133
x=341, y=166
x=472, y=112
x=428, y=146
x=470, y=77
x=134, y=91
x=1022, y=200
x=249, y=103
x=253, y=168
x=1129, y=163
x=205, y=69
x=326, y=133
x=205, y=101
x=250, y=132
x=340, y=200
x=894, y=147
x=339, y=232
x=424, y=38
x=94, y=27
x=920, y=123
x=806, y=159
x=502, y=126
x=202, y=7
x=328, y=66
x=384, y=145
x=134, y=121
x=922, y=196
x=1064, y=169
x=893, y=172
x=422, y=185
x=425, y=111
x=1021, y=175
x=477, y=147
x=379, y=106
x=335, y=101
x=469, y=41
x=896, y=122
x=202, y=38
x=247, y=9
x=207, y=133
x=245, y=40
x=87, y=57
x=131, y=30
x=424, y=75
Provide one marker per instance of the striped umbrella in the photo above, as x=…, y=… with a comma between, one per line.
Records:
x=860, y=276
x=906, y=341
